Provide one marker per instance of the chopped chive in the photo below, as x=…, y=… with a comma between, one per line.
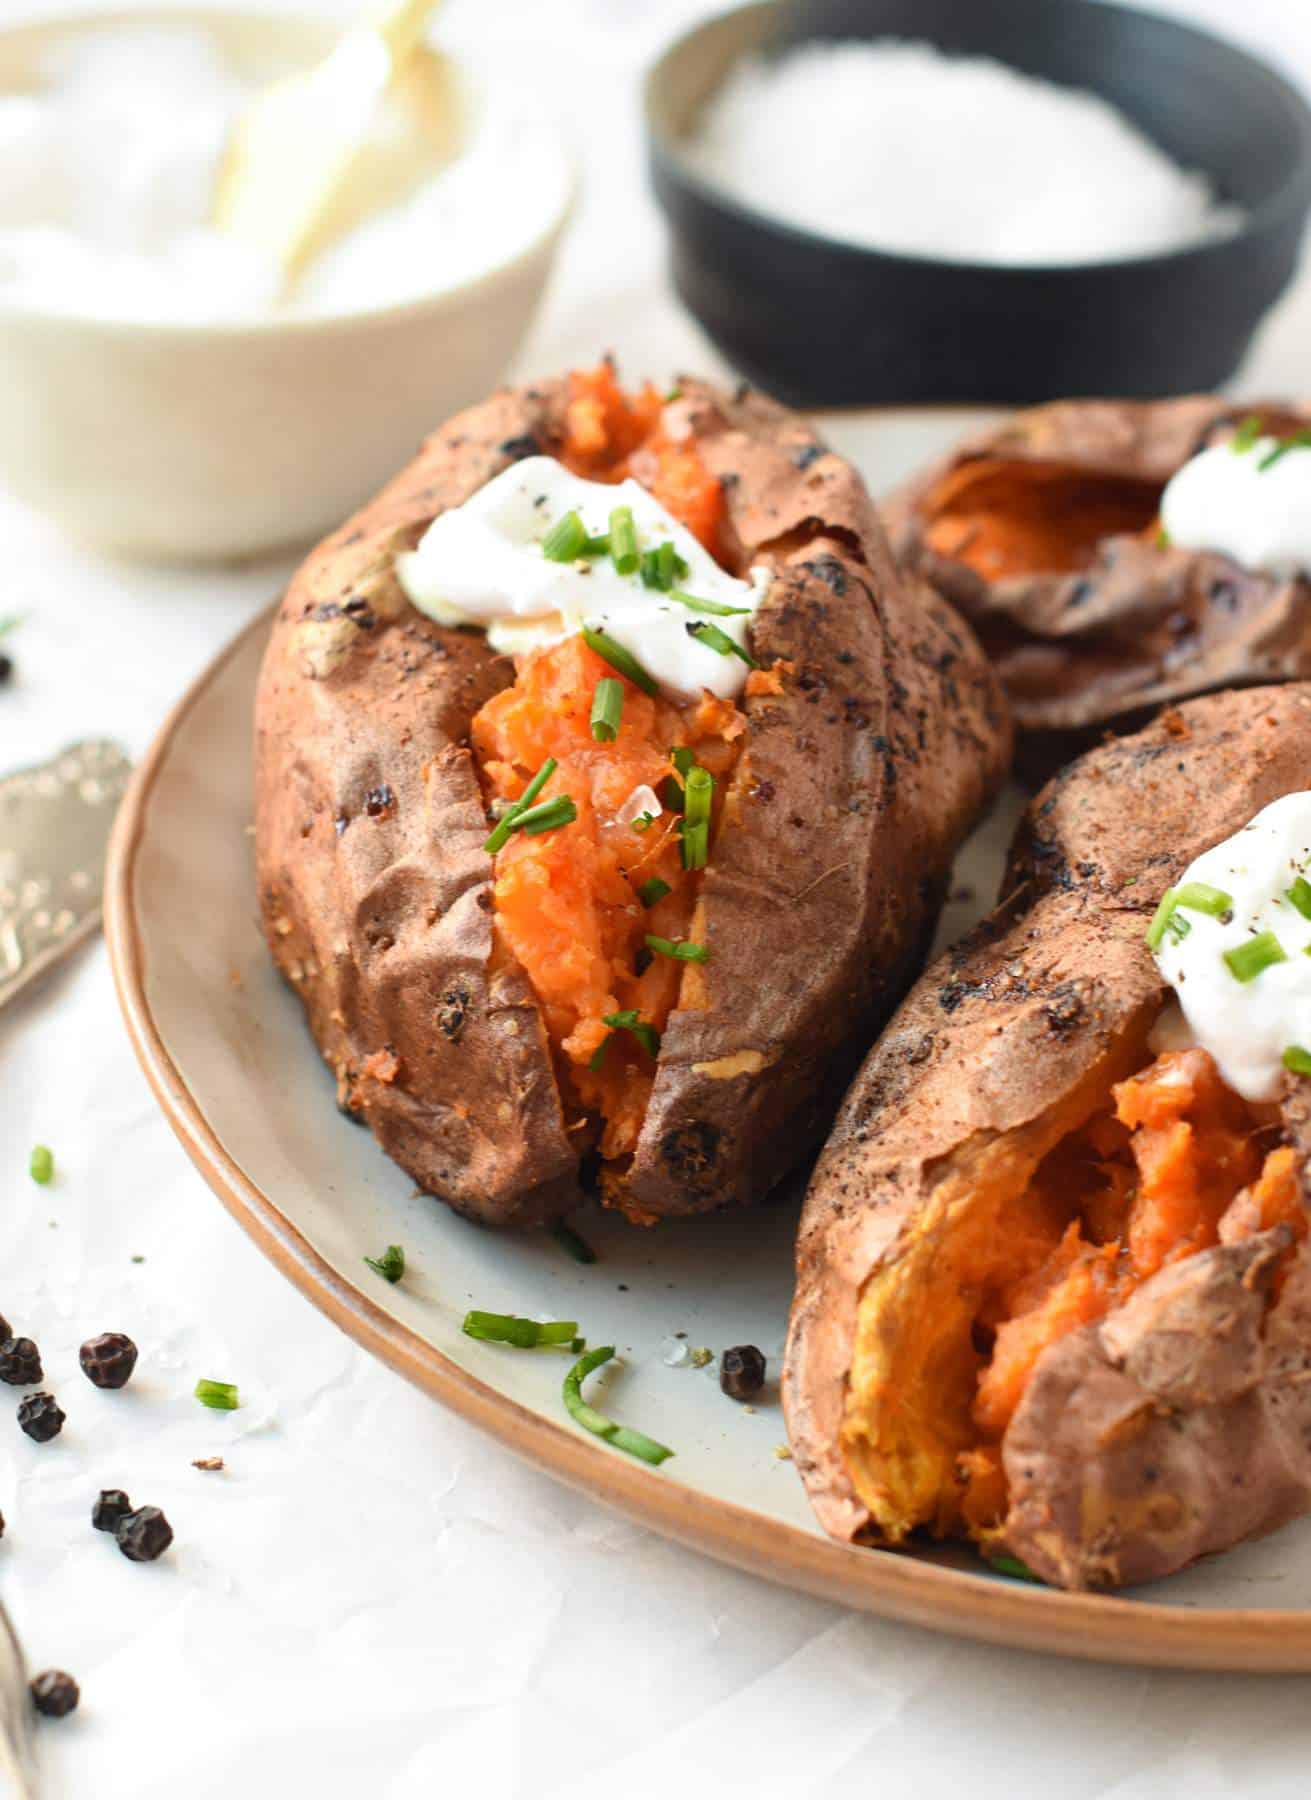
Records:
x=644, y=821
x=549, y=816
x=715, y=639
x=524, y=1334
x=1300, y=440
x=696, y=818
x=10, y=622
x=680, y=951
x=1299, y=895
x=675, y=393
x=715, y=607
x=566, y=539
x=607, y=709
x=653, y=891
x=1200, y=896
x=624, y=553
x=662, y=567
x=1177, y=927
x=696, y=846
x=636, y=1443
x=1162, y=538
x=390, y=1265
x=1011, y=1565
x=1246, y=961
x=599, y=545
x=636, y=1026
x=671, y=791
x=41, y=1164
x=596, y=1061
x=1247, y=436
x=619, y=658
x=1160, y=919
x=570, y=1240
x=501, y=836
x=221, y=1396
x=1297, y=1059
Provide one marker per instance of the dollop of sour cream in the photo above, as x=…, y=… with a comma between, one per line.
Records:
x=482, y=564
x=1245, y=502
x=1245, y=996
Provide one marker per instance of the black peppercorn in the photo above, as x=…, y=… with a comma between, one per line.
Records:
x=742, y=1372
x=112, y=1507
x=108, y=1360
x=20, y=1362
x=54, y=1693
x=41, y=1417
x=144, y=1534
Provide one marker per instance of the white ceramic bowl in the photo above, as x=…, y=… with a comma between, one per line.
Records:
x=223, y=440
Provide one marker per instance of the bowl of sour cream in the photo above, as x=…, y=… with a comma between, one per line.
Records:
x=162, y=396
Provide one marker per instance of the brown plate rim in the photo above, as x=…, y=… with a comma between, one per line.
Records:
x=893, y=1586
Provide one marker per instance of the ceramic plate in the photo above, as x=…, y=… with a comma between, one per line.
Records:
x=225, y=1048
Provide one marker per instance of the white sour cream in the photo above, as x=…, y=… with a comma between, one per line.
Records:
x=482, y=564
x=1247, y=1025
x=1224, y=501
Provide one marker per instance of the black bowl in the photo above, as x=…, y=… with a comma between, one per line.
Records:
x=821, y=323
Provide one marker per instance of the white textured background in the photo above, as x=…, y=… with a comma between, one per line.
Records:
x=374, y=1603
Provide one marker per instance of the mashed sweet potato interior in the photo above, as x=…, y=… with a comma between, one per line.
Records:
x=1048, y=1230
x=569, y=906
x=1005, y=518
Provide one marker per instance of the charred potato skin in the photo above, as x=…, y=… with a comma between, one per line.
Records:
x=854, y=790
x=1143, y=625
x=1181, y=1424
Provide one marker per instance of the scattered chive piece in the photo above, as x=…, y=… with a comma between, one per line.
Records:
x=1160, y=919
x=636, y=1443
x=549, y=816
x=501, y=835
x=1247, y=436
x=1299, y=895
x=9, y=622
x=1011, y=1565
x=596, y=1061
x=566, y=540
x=681, y=952
x=662, y=567
x=41, y=1164
x=675, y=393
x=696, y=818
x=1300, y=440
x=1177, y=927
x=653, y=891
x=696, y=846
x=619, y=659
x=624, y=553
x=598, y=545
x=671, y=791
x=1162, y=538
x=1200, y=896
x=715, y=639
x=390, y=1265
x=221, y=1396
x=524, y=1334
x=607, y=709
x=570, y=1240
x=714, y=607
x=1246, y=961
x=633, y=1023
x=644, y=821
x=1297, y=1059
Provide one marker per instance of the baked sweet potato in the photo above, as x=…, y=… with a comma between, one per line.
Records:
x=1044, y=534
x=462, y=1001
x=1054, y=1291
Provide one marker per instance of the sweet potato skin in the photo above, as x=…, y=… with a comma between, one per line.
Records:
x=1179, y=1425
x=1135, y=625
x=857, y=783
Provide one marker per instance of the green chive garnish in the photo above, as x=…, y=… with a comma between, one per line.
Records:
x=1300, y=440
x=696, y=818
x=1247, y=436
x=501, y=835
x=1011, y=1565
x=1247, y=960
x=715, y=639
x=390, y=1265
x=1299, y=895
x=671, y=791
x=1160, y=919
x=636, y=1443
x=653, y=891
x=596, y=1061
x=633, y=1023
x=1177, y=927
x=680, y=951
x=9, y=622
x=1297, y=1059
x=624, y=553
x=619, y=658
x=524, y=1334
x=1162, y=539
x=715, y=607
x=662, y=567
x=222, y=1396
x=41, y=1165
x=549, y=816
x=598, y=545
x=644, y=821
x=570, y=1240
x=607, y=709
x=1200, y=896
x=566, y=540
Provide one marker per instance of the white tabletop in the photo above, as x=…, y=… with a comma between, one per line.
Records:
x=372, y=1602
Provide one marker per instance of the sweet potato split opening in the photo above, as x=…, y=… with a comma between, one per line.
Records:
x=1004, y=518
x=567, y=902
x=1034, y=1234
